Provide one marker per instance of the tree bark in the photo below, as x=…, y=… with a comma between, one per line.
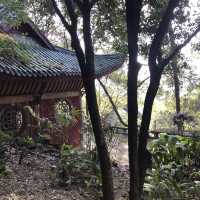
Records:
x=86, y=63
x=177, y=92
x=105, y=164
x=144, y=157
x=156, y=66
x=176, y=86
x=89, y=84
x=133, y=9
x=174, y=66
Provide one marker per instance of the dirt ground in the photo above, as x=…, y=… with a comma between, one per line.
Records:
x=120, y=150
x=35, y=178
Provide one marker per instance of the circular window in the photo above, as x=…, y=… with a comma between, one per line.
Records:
x=63, y=113
x=63, y=106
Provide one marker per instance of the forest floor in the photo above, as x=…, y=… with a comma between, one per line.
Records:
x=35, y=179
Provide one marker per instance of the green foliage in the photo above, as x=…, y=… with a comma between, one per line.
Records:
x=119, y=77
x=75, y=162
x=67, y=118
x=175, y=172
x=110, y=25
x=41, y=12
x=15, y=12
x=4, y=139
x=9, y=48
x=64, y=119
x=26, y=141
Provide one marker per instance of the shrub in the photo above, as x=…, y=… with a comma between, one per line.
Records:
x=175, y=172
x=4, y=139
x=78, y=167
x=9, y=48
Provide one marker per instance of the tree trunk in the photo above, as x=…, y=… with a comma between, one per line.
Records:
x=91, y=98
x=105, y=164
x=144, y=157
x=133, y=9
x=133, y=133
x=177, y=93
x=174, y=65
x=176, y=86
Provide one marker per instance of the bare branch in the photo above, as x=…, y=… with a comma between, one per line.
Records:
x=155, y=49
x=112, y=103
x=72, y=14
x=62, y=18
x=143, y=81
x=93, y=2
x=79, y=3
x=72, y=29
x=178, y=48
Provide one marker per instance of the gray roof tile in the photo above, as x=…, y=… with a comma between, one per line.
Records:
x=52, y=63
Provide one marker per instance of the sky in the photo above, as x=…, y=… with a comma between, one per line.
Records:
x=194, y=58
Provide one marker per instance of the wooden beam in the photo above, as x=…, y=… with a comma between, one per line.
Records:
x=60, y=95
x=15, y=99
x=28, y=98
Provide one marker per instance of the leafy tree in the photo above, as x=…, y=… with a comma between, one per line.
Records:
x=149, y=37
x=17, y=14
x=86, y=62
x=145, y=37
x=157, y=61
x=41, y=13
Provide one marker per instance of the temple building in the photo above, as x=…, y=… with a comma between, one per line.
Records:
x=49, y=81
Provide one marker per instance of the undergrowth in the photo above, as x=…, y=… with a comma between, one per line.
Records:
x=175, y=173
x=79, y=168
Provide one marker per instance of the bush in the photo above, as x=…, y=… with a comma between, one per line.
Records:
x=77, y=167
x=175, y=173
x=9, y=48
x=4, y=139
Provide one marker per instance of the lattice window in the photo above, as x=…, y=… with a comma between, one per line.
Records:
x=10, y=119
x=63, y=112
x=63, y=106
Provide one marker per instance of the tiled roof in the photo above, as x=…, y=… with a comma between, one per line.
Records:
x=27, y=27
x=4, y=13
x=49, y=65
x=53, y=63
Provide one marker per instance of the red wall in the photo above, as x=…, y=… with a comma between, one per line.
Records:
x=47, y=109
x=60, y=135
x=74, y=130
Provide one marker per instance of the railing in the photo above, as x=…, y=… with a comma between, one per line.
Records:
x=153, y=134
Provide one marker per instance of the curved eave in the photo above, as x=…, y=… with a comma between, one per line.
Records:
x=118, y=61
x=48, y=63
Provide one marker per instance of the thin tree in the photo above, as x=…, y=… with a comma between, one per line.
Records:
x=86, y=62
x=157, y=63
x=175, y=73
x=139, y=157
x=133, y=9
